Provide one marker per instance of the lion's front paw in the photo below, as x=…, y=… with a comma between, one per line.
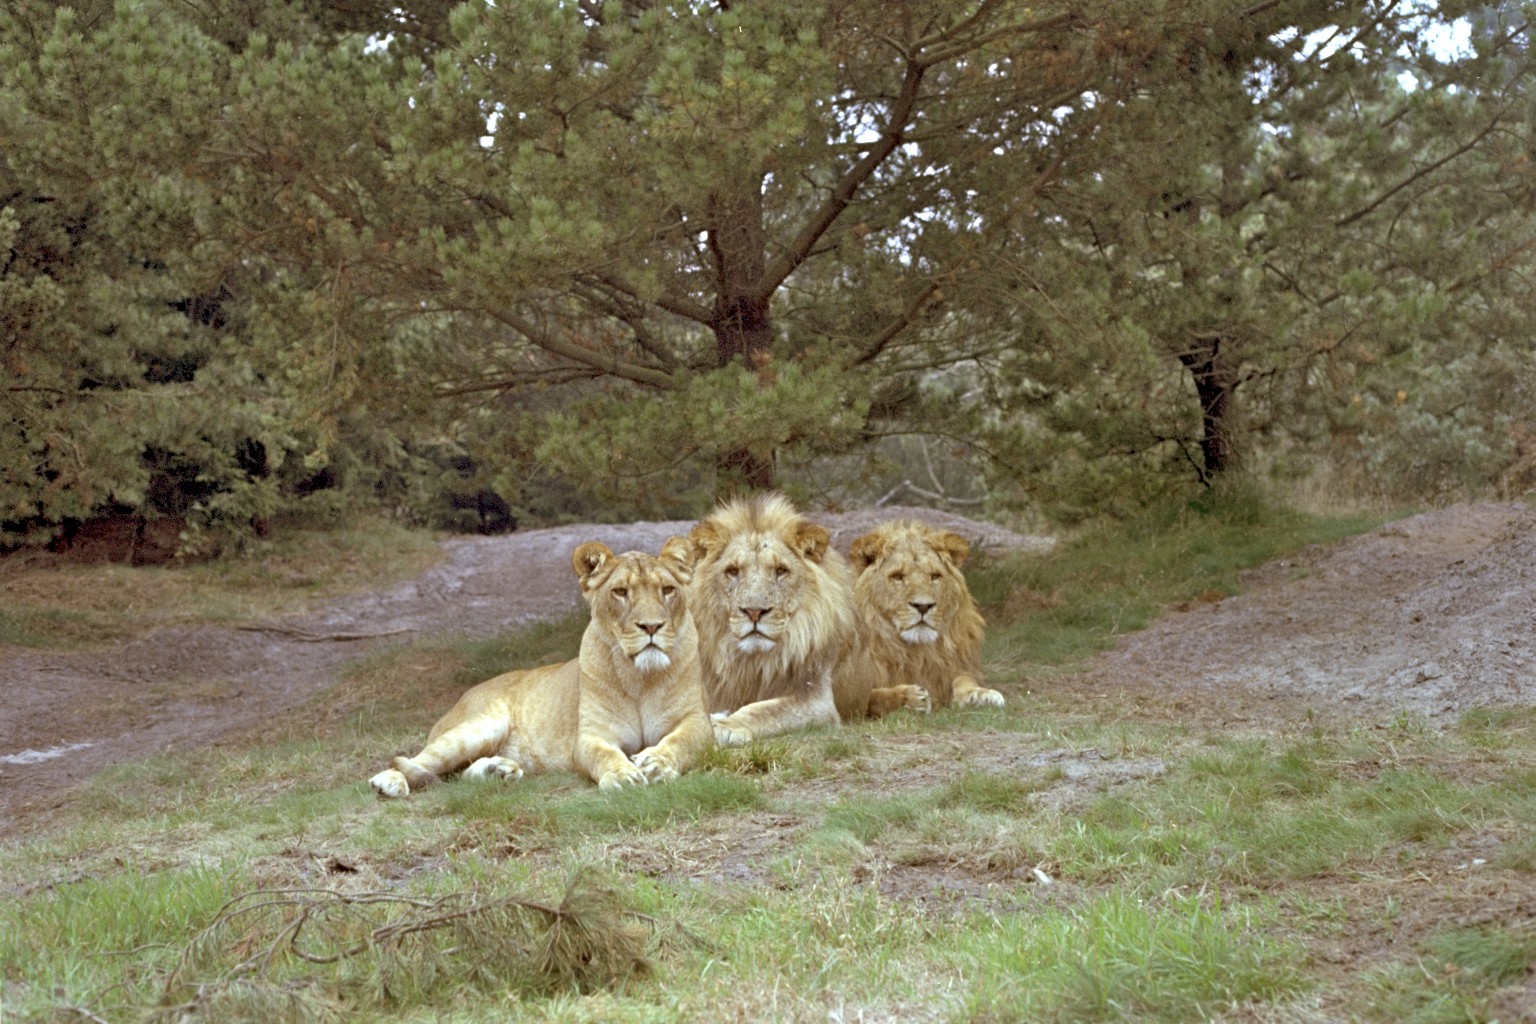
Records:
x=915, y=698
x=495, y=768
x=619, y=777
x=658, y=767
x=728, y=735
x=390, y=783
x=981, y=697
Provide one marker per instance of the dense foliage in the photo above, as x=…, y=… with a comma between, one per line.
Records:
x=262, y=259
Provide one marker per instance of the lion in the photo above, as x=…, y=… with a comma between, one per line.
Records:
x=628, y=710
x=774, y=606
x=918, y=623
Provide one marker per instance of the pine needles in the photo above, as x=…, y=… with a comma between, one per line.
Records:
x=302, y=955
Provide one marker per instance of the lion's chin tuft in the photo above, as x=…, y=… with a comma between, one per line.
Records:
x=755, y=644
x=652, y=659
x=919, y=635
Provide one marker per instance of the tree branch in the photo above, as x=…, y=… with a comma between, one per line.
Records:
x=674, y=304
x=553, y=375
x=629, y=318
x=842, y=193
x=1459, y=151
x=1022, y=28
x=878, y=343
x=610, y=365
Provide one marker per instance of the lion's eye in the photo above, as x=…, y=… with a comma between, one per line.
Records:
x=620, y=593
x=668, y=591
x=898, y=576
x=780, y=571
x=732, y=572
x=937, y=575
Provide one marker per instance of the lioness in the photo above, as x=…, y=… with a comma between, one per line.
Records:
x=774, y=607
x=918, y=623
x=628, y=710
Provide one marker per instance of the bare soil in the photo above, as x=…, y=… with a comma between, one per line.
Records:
x=1430, y=616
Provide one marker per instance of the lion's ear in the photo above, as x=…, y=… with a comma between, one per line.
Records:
x=588, y=560
x=708, y=540
x=950, y=545
x=866, y=551
x=812, y=541
x=678, y=554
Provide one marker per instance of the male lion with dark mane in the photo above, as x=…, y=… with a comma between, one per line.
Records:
x=628, y=710
x=774, y=607
x=918, y=623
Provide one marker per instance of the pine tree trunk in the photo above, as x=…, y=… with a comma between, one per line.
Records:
x=1216, y=387
x=740, y=321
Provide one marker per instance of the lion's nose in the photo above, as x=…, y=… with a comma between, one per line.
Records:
x=754, y=613
x=649, y=627
x=923, y=607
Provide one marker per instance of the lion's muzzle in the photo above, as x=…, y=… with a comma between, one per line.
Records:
x=653, y=659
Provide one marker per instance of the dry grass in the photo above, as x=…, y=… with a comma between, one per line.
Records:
x=50, y=604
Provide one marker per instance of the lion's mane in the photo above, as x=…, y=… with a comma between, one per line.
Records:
x=789, y=563
x=897, y=564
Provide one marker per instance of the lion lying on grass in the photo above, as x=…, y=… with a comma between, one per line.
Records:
x=774, y=604
x=628, y=710
x=918, y=623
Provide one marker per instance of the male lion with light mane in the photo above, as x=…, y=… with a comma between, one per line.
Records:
x=918, y=623
x=774, y=606
x=628, y=710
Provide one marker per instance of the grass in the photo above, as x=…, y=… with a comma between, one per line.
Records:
x=1114, y=579
x=1120, y=957
x=67, y=606
x=1047, y=861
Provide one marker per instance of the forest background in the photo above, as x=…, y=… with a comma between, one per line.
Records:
x=478, y=264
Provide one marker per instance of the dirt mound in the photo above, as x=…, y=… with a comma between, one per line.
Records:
x=1430, y=615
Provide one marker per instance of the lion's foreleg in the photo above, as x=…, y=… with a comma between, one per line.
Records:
x=446, y=752
x=605, y=764
x=774, y=716
x=677, y=750
x=968, y=693
x=907, y=697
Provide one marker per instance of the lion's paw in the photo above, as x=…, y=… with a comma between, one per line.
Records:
x=916, y=699
x=495, y=768
x=981, y=697
x=618, y=778
x=657, y=767
x=727, y=735
x=390, y=783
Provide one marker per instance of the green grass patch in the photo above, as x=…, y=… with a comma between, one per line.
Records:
x=1251, y=812
x=1122, y=957
x=1060, y=608
x=882, y=871
x=75, y=943
x=544, y=643
x=1456, y=980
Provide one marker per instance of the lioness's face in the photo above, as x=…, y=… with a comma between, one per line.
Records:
x=910, y=577
x=637, y=599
